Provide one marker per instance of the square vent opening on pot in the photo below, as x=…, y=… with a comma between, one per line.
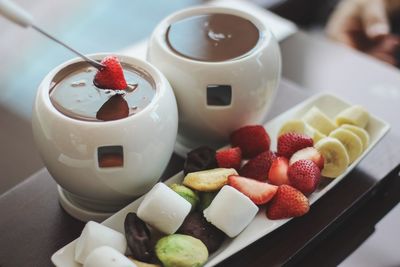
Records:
x=219, y=95
x=110, y=156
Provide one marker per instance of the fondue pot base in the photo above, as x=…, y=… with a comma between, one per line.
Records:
x=73, y=206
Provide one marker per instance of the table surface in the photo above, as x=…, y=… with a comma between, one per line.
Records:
x=33, y=226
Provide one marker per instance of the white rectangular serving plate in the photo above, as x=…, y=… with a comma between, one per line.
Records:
x=261, y=225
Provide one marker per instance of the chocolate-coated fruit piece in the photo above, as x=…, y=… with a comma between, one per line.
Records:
x=201, y=158
x=197, y=226
x=138, y=238
x=114, y=108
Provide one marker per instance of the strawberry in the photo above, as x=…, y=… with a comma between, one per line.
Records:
x=258, y=167
x=289, y=143
x=114, y=108
x=229, y=158
x=259, y=192
x=304, y=175
x=308, y=153
x=288, y=202
x=252, y=140
x=112, y=76
x=277, y=174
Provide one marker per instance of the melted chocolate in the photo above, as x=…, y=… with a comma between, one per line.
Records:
x=74, y=94
x=212, y=37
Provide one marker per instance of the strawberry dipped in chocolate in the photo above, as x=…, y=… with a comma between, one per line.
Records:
x=114, y=108
x=111, y=76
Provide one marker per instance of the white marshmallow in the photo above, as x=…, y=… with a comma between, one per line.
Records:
x=96, y=235
x=230, y=211
x=164, y=209
x=107, y=257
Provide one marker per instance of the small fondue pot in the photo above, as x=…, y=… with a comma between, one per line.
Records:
x=224, y=66
x=100, y=166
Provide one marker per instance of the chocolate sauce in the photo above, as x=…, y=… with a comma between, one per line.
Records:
x=212, y=37
x=73, y=93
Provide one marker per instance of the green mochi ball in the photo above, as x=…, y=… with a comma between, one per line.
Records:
x=186, y=193
x=181, y=251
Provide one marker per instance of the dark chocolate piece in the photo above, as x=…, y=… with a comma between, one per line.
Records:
x=138, y=238
x=199, y=159
x=197, y=226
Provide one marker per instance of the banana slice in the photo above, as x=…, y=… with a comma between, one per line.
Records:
x=351, y=142
x=360, y=132
x=335, y=156
x=317, y=135
x=296, y=126
x=318, y=120
x=354, y=115
x=299, y=126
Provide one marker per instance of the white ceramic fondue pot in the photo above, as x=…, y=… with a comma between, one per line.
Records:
x=251, y=79
x=70, y=147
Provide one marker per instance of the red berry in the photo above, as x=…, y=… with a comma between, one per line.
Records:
x=277, y=174
x=252, y=140
x=304, y=175
x=288, y=202
x=308, y=153
x=112, y=76
x=289, y=143
x=259, y=192
x=258, y=167
x=229, y=158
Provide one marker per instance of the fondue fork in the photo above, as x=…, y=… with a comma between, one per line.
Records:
x=19, y=16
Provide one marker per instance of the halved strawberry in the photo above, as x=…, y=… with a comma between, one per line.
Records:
x=259, y=192
x=288, y=202
x=277, y=174
x=229, y=158
x=304, y=175
x=290, y=143
x=258, y=167
x=252, y=140
x=308, y=153
x=112, y=76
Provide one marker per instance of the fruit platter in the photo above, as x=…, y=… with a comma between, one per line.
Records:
x=268, y=175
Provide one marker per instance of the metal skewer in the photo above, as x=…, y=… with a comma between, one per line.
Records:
x=16, y=14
